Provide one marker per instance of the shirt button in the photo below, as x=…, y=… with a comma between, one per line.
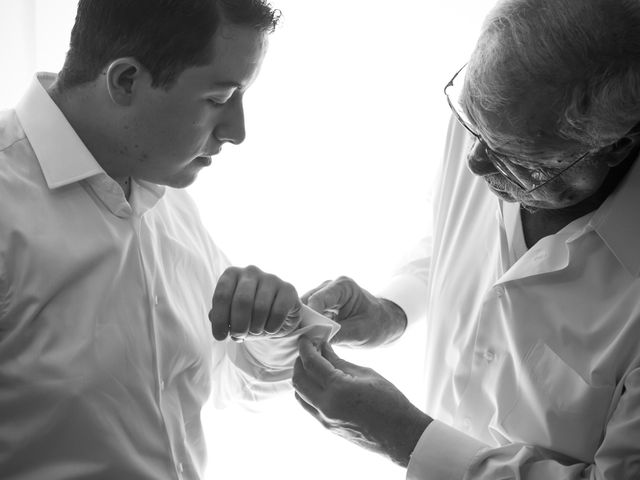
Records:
x=466, y=424
x=540, y=256
x=162, y=385
x=499, y=291
x=180, y=467
x=155, y=300
x=489, y=356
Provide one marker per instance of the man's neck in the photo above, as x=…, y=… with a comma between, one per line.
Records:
x=85, y=118
x=537, y=224
x=125, y=184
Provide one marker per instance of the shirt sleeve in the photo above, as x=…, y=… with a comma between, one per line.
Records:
x=444, y=453
x=248, y=373
x=408, y=288
x=4, y=289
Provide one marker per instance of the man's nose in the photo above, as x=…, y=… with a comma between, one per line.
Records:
x=231, y=127
x=479, y=162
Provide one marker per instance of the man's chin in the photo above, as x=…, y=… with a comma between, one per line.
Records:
x=181, y=181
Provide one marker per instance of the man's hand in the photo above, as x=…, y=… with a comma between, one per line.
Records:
x=249, y=303
x=357, y=403
x=365, y=319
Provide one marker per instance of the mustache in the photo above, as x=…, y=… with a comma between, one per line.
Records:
x=504, y=188
x=499, y=182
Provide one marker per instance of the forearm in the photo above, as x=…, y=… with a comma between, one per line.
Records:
x=395, y=322
x=261, y=368
x=444, y=453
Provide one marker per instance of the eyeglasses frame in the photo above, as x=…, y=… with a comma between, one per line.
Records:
x=494, y=157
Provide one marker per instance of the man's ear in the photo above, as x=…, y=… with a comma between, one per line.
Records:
x=623, y=147
x=124, y=76
x=621, y=150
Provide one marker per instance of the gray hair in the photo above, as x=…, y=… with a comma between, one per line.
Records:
x=583, y=55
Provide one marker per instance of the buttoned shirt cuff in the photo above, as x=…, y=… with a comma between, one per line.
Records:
x=409, y=293
x=443, y=453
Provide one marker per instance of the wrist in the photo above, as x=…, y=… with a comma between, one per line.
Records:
x=395, y=320
x=408, y=429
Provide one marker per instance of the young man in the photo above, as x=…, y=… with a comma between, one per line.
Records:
x=532, y=290
x=107, y=275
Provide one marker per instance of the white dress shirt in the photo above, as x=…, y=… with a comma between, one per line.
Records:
x=106, y=351
x=532, y=355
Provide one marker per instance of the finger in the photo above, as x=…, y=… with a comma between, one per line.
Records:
x=308, y=407
x=317, y=367
x=330, y=297
x=302, y=382
x=291, y=321
x=242, y=305
x=349, y=330
x=285, y=303
x=221, y=308
x=262, y=305
x=305, y=297
x=334, y=360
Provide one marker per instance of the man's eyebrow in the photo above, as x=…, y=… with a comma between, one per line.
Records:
x=225, y=84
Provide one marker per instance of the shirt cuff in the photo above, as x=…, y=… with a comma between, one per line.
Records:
x=442, y=453
x=273, y=358
x=409, y=293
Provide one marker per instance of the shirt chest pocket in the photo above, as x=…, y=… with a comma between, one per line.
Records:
x=556, y=408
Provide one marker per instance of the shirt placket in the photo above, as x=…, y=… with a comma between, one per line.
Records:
x=484, y=352
x=162, y=380
x=485, y=355
x=492, y=368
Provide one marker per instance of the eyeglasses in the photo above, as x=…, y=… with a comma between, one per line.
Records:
x=524, y=178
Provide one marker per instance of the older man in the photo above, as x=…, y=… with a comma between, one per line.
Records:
x=533, y=359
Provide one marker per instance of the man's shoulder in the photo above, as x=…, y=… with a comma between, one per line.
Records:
x=19, y=168
x=11, y=131
x=21, y=178
x=17, y=159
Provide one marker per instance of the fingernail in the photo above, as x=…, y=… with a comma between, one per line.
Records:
x=331, y=313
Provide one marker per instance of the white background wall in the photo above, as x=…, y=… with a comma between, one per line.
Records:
x=345, y=130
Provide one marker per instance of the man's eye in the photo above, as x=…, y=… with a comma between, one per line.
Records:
x=539, y=175
x=216, y=103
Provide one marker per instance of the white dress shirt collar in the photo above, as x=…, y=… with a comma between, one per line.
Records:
x=65, y=159
x=617, y=221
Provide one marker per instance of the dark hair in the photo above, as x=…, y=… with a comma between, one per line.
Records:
x=166, y=36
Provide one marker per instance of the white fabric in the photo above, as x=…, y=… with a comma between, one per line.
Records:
x=316, y=327
x=534, y=354
x=106, y=351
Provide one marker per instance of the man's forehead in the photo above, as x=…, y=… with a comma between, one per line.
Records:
x=239, y=40
x=529, y=150
x=528, y=124
x=236, y=54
